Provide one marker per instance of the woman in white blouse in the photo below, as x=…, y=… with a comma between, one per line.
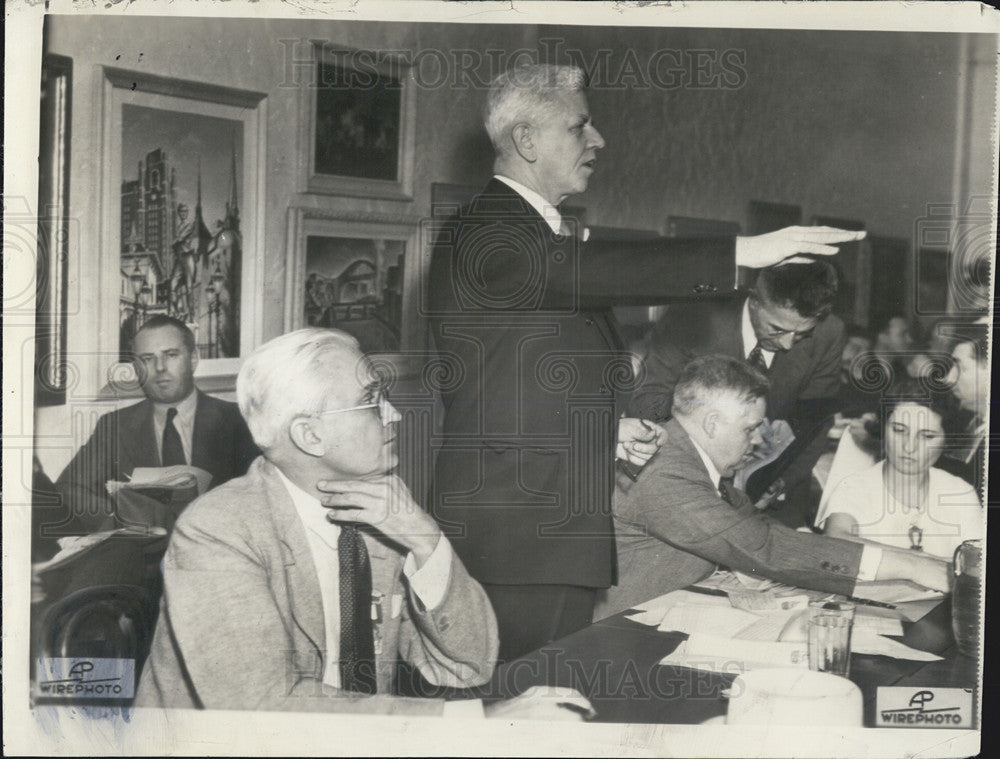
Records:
x=904, y=501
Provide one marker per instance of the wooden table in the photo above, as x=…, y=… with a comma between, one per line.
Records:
x=615, y=663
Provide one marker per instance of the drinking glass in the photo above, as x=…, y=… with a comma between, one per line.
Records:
x=830, y=624
x=965, y=597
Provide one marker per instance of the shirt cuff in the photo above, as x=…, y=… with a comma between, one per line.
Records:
x=430, y=582
x=871, y=557
x=466, y=709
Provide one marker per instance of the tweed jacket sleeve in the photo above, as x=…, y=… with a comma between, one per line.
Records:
x=675, y=501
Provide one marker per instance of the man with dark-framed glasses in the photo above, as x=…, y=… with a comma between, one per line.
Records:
x=782, y=327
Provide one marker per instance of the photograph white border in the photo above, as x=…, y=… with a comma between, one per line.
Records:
x=226, y=733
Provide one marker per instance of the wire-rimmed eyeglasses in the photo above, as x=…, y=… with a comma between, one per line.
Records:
x=380, y=401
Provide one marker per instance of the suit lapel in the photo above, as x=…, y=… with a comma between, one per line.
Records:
x=607, y=325
x=677, y=436
x=137, y=446
x=729, y=329
x=205, y=422
x=304, y=595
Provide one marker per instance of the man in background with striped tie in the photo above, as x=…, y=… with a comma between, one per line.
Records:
x=176, y=424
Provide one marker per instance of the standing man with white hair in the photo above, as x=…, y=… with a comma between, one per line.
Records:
x=524, y=477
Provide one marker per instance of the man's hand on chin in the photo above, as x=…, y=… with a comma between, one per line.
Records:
x=386, y=504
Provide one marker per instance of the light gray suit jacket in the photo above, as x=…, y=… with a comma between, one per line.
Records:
x=672, y=529
x=241, y=622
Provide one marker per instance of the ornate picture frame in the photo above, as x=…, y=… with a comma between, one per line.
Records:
x=182, y=226
x=357, y=272
x=51, y=270
x=358, y=126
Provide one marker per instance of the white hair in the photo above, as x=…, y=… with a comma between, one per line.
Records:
x=289, y=376
x=526, y=93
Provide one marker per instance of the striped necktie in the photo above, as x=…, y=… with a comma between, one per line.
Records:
x=357, y=636
x=756, y=359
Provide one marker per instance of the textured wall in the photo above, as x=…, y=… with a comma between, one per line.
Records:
x=845, y=124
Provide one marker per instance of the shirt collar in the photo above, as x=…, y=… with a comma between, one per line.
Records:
x=185, y=409
x=545, y=209
x=713, y=473
x=310, y=510
x=750, y=337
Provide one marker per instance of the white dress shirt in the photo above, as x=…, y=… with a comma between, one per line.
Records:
x=429, y=583
x=871, y=556
x=547, y=211
x=183, y=422
x=750, y=337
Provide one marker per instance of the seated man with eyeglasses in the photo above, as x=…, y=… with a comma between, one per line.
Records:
x=278, y=596
x=783, y=327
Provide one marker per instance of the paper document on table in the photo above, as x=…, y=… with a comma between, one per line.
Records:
x=718, y=620
x=863, y=642
x=768, y=601
x=73, y=547
x=767, y=628
x=651, y=618
x=876, y=625
x=728, y=580
x=652, y=612
x=894, y=591
x=163, y=478
x=917, y=610
x=717, y=653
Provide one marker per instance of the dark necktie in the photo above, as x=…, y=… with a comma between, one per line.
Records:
x=724, y=491
x=756, y=359
x=173, y=451
x=357, y=638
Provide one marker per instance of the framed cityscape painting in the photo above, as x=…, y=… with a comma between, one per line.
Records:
x=183, y=215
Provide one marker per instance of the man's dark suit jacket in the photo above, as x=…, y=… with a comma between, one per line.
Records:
x=805, y=381
x=125, y=439
x=673, y=529
x=524, y=476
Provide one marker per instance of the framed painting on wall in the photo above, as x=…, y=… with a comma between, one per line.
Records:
x=51, y=264
x=183, y=214
x=357, y=124
x=355, y=274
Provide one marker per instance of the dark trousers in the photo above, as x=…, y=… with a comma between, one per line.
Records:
x=530, y=616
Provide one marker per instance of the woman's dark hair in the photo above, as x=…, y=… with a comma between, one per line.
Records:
x=910, y=390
